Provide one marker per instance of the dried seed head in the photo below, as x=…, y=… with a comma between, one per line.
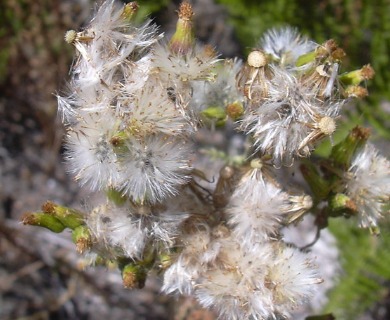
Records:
x=257, y=59
x=367, y=72
x=307, y=202
x=326, y=49
x=338, y=54
x=323, y=70
x=327, y=125
x=356, y=92
x=70, y=36
x=256, y=164
x=185, y=11
x=227, y=172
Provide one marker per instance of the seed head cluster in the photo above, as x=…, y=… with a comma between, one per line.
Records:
x=291, y=102
x=134, y=108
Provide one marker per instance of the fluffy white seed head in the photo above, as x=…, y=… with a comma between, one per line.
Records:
x=197, y=64
x=256, y=209
x=152, y=111
x=269, y=283
x=291, y=278
x=154, y=167
x=128, y=229
x=285, y=45
x=90, y=154
x=368, y=185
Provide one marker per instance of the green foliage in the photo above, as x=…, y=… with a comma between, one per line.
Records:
x=365, y=260
x=10, y=26
x=361, y=27
x=148, y=7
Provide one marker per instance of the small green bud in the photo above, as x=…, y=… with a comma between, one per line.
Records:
x=81, y=236
x=357, y=76
x=43, y=220
x=343, y=152
x=70, y=218
x=183, y=39
x=341, y=204
x=118, y=139
x=165, y=261
x=215, y=115
x=129, y=11
x=375, y=231
x=134, y=276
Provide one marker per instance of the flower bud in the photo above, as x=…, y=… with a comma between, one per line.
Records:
x=341, y=204
x=81, y=236
x=214, y=115
x=70, y=218
x=165, y=261
x=235, y=110
x=129, y=11
x=355, y=92
x=343, y=152
x=43, y=220
x=183, y=39
x=133, y=276
x=357, y=76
